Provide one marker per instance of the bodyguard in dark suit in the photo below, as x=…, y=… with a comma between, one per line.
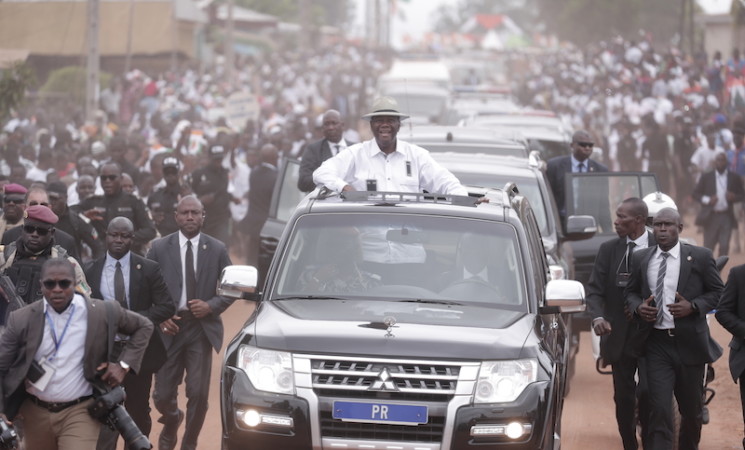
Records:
x=672, y=288
x=718, y=191
x=35, y=333
x=319, y=151
x=261, y=187
x=731, y=314
x=605, y=303
x=191, y=263
x=136, y=284
x=578, y=162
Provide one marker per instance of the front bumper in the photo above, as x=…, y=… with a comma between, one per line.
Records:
x=450, y=426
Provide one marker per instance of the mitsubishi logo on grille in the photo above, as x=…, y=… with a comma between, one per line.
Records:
x=384, y=382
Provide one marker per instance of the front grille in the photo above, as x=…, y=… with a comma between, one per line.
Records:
x=430, y=432
x=355, y=376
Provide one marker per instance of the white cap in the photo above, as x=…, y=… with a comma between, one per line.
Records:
x=657, y=201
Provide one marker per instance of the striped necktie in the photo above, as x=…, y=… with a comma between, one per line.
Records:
x=660, y=288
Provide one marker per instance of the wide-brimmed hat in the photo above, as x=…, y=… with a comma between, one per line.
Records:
x=385, y=106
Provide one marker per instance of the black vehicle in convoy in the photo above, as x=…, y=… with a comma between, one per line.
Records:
x=401, y=320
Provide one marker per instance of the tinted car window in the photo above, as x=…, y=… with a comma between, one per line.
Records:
x=289, y=195
x=403, y=257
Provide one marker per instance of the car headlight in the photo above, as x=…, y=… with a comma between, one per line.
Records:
x=504, y=381
x=268, y=370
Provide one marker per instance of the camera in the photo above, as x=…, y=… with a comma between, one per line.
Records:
x=8, y=436
x=107, y=409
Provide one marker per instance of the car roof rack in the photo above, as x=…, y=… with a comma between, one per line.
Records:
x=382, y=197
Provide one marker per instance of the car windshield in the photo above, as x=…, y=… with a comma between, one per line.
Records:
x=403, y=258
x=469, y=147
x=527, y=187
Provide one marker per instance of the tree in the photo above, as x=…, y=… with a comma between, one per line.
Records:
x=14, y=81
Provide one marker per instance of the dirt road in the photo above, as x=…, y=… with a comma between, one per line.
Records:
x=588, y=420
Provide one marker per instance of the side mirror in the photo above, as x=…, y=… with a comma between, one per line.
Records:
x=580, y=228
x=564, y=296
x=238, y=282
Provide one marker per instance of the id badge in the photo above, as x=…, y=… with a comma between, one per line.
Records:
x=622, y=279
x=49, y=370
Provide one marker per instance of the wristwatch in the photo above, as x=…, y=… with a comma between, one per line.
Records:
x=124, y=365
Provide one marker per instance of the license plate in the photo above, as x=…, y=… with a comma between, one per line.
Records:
x=380, y=413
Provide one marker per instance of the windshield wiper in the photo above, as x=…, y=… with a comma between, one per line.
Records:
x=308, y=297
x=434, y=302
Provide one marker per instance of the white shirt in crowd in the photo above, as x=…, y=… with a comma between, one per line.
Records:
x=68, y=380
x=408, y=169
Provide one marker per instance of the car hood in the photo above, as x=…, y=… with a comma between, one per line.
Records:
x=421, y=330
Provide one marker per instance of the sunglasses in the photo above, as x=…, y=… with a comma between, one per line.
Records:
x=30, y=229
x=585, y=144
x=109, y=177
x=51, y=284
x=15, y=201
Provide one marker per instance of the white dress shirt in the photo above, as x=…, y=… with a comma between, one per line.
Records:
x=109, y=270
x=182, y=305
x=68, y=381
x=337, y=147
x=408, y=169
x=672, y=273
x=721, y=182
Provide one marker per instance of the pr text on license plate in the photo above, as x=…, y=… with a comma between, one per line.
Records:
x=390, y=413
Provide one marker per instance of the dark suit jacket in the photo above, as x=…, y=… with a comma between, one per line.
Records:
x=23, y=336
x=556, y=169
x=148, y=296
x=212, y=257
x=731, y=314
x=61, y=238
x=707, y=185
x=605, y=299
x=699, y=283
x=315, y=153
x=261, y=185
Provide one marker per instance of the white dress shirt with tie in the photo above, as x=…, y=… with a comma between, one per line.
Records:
x=182, y=304
x=109, y=270
x=665, y=319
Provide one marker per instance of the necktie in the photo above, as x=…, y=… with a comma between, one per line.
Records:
x=191, y=278
x=629, y=251
x=581, y=167
x=119, y=290
x=659, y=289
x=336, y=149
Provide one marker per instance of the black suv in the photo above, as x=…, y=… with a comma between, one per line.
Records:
x=401, y=320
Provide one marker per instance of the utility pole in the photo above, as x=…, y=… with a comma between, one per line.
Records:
x=93, y=65
x=128, y=60
x=229, y=54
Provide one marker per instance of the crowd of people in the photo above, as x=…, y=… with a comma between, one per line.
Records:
x=143, y=206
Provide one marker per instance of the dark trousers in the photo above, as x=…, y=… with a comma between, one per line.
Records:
x=718, y=230
x=627, y=394
x=741, y=382
x=667, y=375
x=137, y=387
x=189, y=352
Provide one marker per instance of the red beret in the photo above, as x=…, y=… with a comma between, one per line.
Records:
x=40, y=213
x=14, y=188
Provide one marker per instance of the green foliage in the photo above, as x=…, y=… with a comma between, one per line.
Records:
x=323, y=12
x=70, y=81
x=580, y=21
x=14, y=81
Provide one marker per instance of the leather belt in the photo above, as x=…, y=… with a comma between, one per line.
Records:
x=56, y=407
x=670, y=332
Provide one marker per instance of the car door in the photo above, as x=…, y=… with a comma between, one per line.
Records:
x=285, y=198
x=598, y=194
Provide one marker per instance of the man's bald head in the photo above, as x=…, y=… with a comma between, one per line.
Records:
x=582, y=144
